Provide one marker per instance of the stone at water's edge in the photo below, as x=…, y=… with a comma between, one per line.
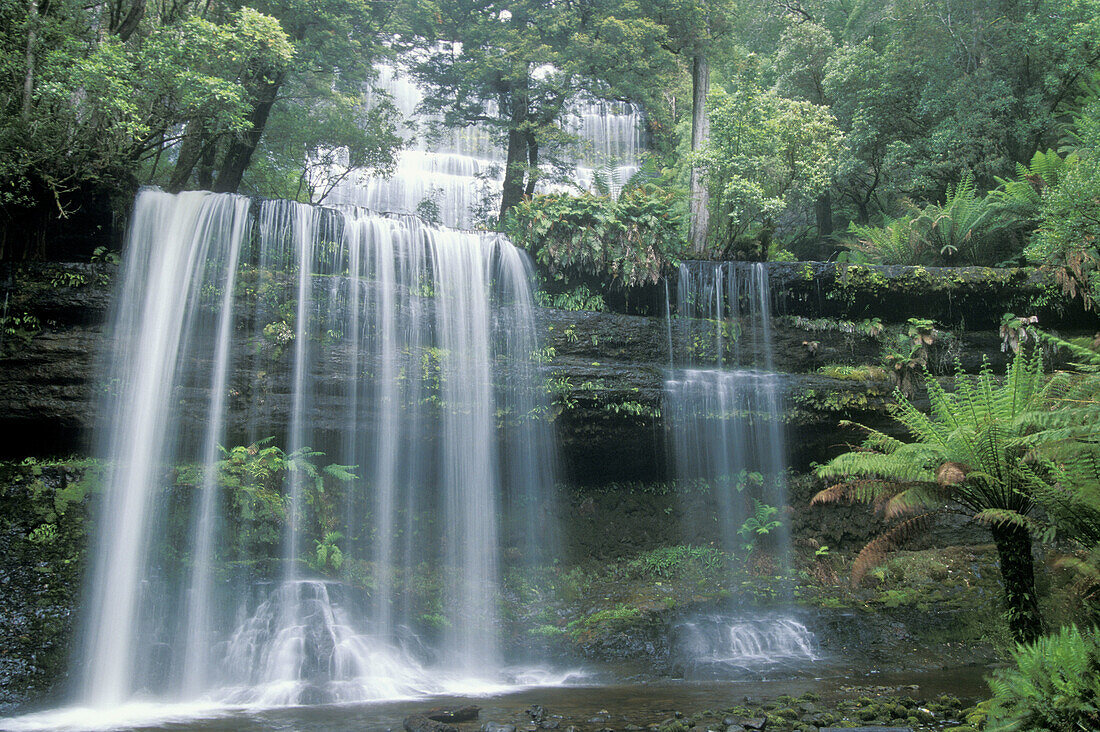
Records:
x=866, y=729
x=494, y=727
x=466, y=713
x=420, y=723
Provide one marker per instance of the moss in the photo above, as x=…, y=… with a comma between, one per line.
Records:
x=865, y=372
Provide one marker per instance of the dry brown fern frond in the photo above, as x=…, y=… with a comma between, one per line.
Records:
x=874, y=553
x=862, y=491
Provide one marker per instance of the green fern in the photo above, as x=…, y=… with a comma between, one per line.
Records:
x=969, y=454
x=896, y=242
x=965, y=228
x=1055, y=685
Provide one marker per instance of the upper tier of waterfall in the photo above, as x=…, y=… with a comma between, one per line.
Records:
x=457, y=172
x=420, y=343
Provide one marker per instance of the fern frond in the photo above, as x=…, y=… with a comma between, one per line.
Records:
x=874, y=553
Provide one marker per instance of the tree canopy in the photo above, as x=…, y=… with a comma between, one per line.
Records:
x=821, y=114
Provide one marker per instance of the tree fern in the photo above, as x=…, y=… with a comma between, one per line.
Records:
x=969, y=454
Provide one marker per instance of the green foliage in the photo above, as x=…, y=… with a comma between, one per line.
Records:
x=853, y=373
x=255, y=480
x=625, y=242
x=969, y=454
x=1068, y=238
x=1054, y=686
x=966, y=229
x=1022, y=196
x=104, y=96
x=18, y=329
x=516, y=70
x=674, y=562
x=578, y=298
x=764, y=155
x=103, y=254
x=895, y=242
x=760, y=523
x=329, y=556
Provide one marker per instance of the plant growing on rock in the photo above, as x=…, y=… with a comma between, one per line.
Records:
x=626, y=241
x=761, y=523
x=910, y=353
x=969, y=456
x=1016, y=330
x=1055, y=685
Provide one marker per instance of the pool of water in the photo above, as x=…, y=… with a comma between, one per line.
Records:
x=639, y=702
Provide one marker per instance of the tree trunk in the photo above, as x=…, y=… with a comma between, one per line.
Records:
x=130, y=23
x=190, y=151
x=823, y=211
x=241, y=148
x=700, y=129
x=32, y=39
x=532, y=164
x=516, y=165
x=1018, y=575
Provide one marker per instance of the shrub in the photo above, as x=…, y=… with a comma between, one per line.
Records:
x=1055, y=685
x=626, y=241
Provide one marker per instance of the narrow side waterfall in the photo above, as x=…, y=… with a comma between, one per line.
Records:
x=713, y=645
x=314, y=420
x=456, y=174
x=723, y=407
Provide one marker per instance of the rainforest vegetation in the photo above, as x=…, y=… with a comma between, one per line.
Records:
x=927, y=133
x=884, y=131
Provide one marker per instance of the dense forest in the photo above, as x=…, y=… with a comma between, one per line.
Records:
x=928, y=132
x=820, y=136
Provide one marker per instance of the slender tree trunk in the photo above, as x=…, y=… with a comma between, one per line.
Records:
x=32, y=40
x=241, y=148
x=1018, y=575
x=532, y=164
x=823, y=211
x=204, y=176
x=130, y=23
x=516, y=164
x=190, y=151
x=700, y=129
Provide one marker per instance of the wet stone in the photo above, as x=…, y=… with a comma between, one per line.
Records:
x=420, y=723
x=466, y=713
x=494, y=727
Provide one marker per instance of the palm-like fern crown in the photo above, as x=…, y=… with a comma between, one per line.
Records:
x=969, y=453
x=1065, y=436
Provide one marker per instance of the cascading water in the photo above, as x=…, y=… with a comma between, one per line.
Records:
x=458, y=172
x=716, y=644
x=723, y=407
x=356, y=339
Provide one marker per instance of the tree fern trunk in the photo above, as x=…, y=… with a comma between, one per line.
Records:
x=1018, y=575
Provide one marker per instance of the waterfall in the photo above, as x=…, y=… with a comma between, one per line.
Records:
x=723, y=406
x=457, y=173
x=352, y=339
x=715, y=644
x=723, y=400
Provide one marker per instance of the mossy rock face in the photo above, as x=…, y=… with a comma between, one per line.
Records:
x=976, y=295
x=42, y=545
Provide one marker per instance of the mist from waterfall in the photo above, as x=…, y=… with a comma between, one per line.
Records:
x=394, y=355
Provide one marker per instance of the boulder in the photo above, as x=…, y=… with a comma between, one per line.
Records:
x=466, y=713
x=420, y=723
